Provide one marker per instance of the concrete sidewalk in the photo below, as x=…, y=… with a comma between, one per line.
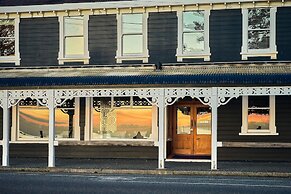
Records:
x=143, y=166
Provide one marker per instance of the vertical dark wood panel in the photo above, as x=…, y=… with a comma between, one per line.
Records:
x=102, y=39
x=225, y=35
x=283, y=34
x=39, y=41
x=162, y=37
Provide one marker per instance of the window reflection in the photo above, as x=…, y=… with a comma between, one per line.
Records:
x=259, y=28
x=258, y=112
x=34, y=121
x=132, y=34
x=120, y=119
x=193, y=31
x=183, y=120
x=203, y=120
x=7, y=37
x=74, y=35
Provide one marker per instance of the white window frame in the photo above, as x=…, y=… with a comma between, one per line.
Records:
x=15, y=126
x=89, y=126
x=270, y=52
x=62, y=58
x=16, y=58
x=145, y=54
x=202, y=54
x=272, y=126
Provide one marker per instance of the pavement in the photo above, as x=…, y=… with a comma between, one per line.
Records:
x=149, y=167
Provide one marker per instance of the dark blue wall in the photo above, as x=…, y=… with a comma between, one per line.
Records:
x=225, y=35
x=102, y=39
x=284, y=33
x=39, y=41
x=162, y=37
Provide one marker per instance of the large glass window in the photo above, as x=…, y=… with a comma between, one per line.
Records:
x=259, y=32
x=258, y=115
x=123, y=118
x=193, y=35
x=33, y=120
x=74, y=39
x=259, y=28
x=132, y=37
x=7, y=37
x=74, y=35
x=9, y=40
x=193, y=31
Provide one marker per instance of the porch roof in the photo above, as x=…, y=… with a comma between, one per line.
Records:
x=267, y=74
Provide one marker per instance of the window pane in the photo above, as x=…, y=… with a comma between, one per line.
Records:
x=132, y=44
x=33, y=123
x=259, y=18
x=74, y=46
x=64, y=123
x=74, y=26
x=259, y=39
x=183, y=120
x=7, y=47
x=131, y=23
x=258, y=101
x=258, y=119
x=203, y=120
x=7, y=28
x=193, y=20
x=193, y=42
x=122, y=123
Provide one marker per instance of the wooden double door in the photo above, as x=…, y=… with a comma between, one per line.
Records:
x=191, y=129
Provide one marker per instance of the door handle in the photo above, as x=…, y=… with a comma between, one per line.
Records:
x=198, y=139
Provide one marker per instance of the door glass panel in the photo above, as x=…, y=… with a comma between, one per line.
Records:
x=183, y=120
x=203, y=120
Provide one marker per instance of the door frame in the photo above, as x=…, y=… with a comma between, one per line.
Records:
x=173, y=123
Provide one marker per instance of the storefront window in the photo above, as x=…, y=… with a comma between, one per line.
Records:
x=123, y=118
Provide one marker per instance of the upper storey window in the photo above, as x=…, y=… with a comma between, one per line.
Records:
x=132, y=37
x=9, y=51
x=193, y=35
x=259, y=33
x=74, y=39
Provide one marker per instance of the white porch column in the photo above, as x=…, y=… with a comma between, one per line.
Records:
x=51, y=148
x=214, y=105
x=161, y=104
x=6, y=130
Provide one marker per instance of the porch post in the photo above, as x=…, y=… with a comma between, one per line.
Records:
x=214, y=106
x=6, y=130
x=161, y=105
x=51, y=148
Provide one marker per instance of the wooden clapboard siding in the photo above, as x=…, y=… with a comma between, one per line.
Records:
x=41, y=150
x=283, y=34
x=162, y=37
x=102, y=39
x=39, y=41
x=254, y=154
x=225, y=35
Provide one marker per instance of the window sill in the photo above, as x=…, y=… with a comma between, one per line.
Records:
x=257, y=133
x=259, y=53
x=111, y=142
x=205, y=56
x=143, y=58
x=85, y=60
x=9, y=59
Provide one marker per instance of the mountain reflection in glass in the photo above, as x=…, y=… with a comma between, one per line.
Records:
x=132, y=37
x=74, y=35
x=183, y=120
x=193, y=31
x=259, y=28
x=7, y=37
